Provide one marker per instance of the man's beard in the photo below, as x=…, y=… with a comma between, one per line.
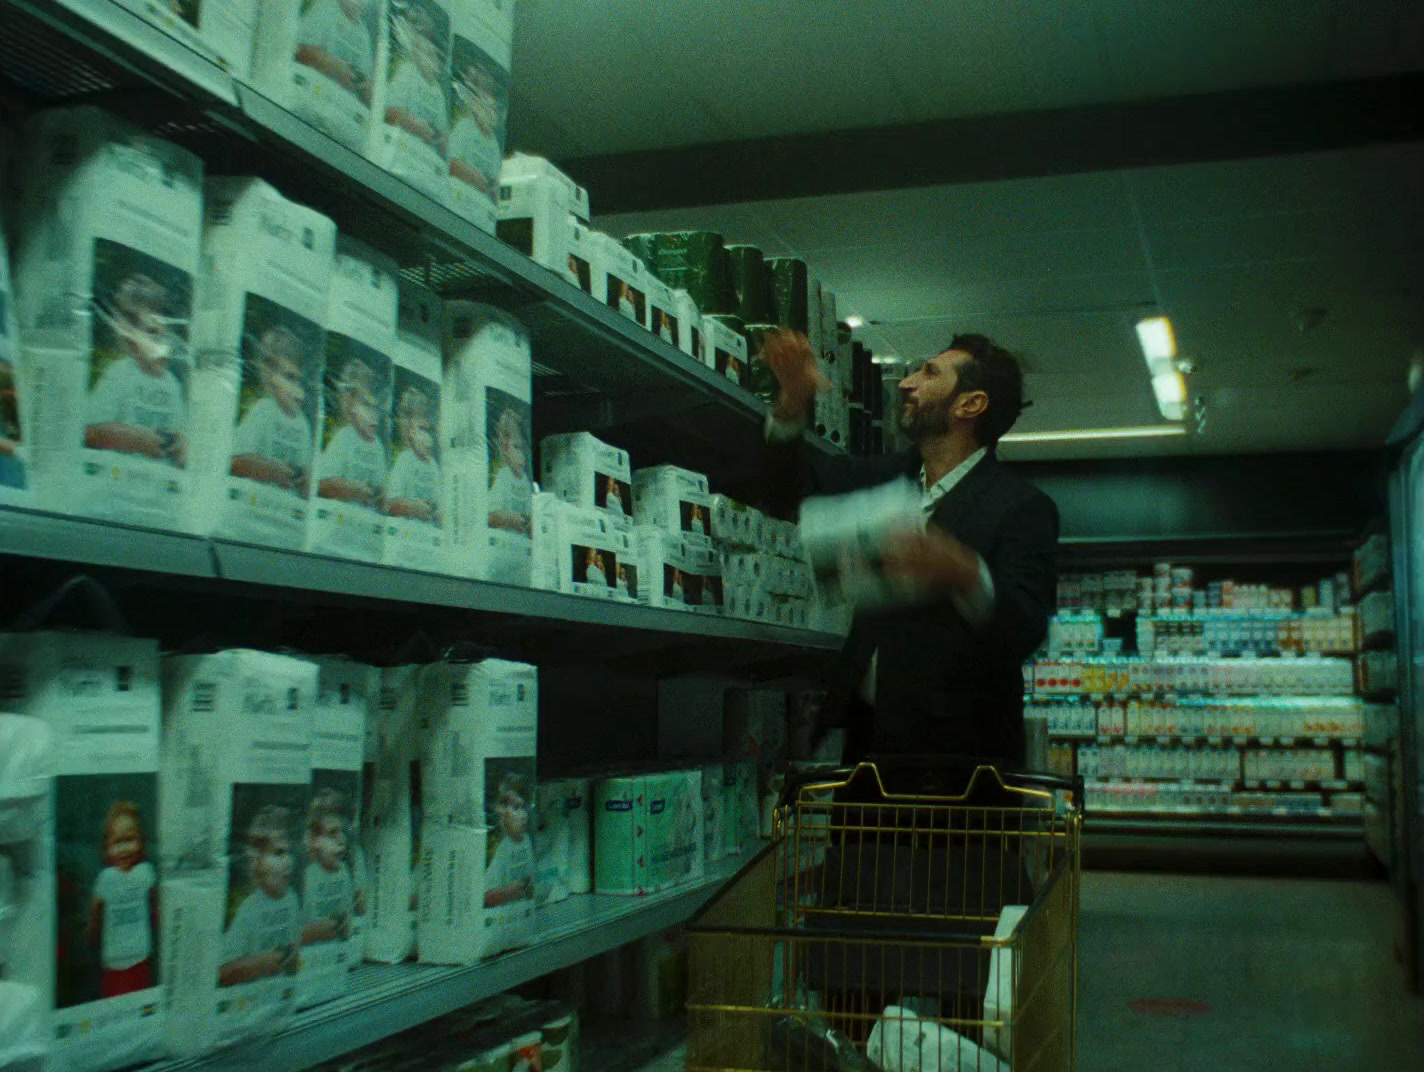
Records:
x=924, y=422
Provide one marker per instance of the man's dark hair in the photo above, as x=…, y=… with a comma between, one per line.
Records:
x=996, y=372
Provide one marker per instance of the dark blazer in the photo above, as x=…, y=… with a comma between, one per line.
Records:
x=943, y=686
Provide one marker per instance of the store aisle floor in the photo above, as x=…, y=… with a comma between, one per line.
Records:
x=1190, y=974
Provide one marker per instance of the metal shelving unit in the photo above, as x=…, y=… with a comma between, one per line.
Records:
x=388, y=998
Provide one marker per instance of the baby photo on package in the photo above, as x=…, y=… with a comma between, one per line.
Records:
x=511, y=490
x=276, y=415
x=419, y=64
x=479, y=108
x=593, y=566
x=509, y=868
x=613, y=495
x=139, y=362
x=413, y=486
x=262, y=924
x=337, y=39
x=357, y=390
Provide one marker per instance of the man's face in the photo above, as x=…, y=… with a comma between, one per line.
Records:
x=927, y=396
x=272, y=867
x=327, y=843
x=513, y=815
x=125, y=843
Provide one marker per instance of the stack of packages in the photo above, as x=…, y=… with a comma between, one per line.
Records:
x=765, y=570
x=648, y=831
x=241, y=371
x=674, y=535
x=583, y=528
x=229, y=834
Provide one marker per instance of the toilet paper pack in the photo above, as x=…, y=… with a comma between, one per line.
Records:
x=415, y=528
x=713, y=809
x=333, y=887
x=391, y=817
x=678, y=858
x=479, y=106
x=354, y=433
x=221, y=30
x=843, y=536
x=621, y=862
x=410, y=110
x=259, y=341
x=14, y=480
x=87, y=936
x=235, y=789
x=587, y=472
x=108, y=225
x=724, y=349
x=665, y=569
x=562, y=834
x=485, y=409
x=480, y=728
x=675, y=499
x=583, y=552
x=317, y=59
x=619, y=278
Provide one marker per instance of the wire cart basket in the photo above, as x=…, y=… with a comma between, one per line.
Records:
x=931, y=928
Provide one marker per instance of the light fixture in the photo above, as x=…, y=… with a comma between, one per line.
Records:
x=1171, y=391
x=1148, y=431
x=1159, y=343
x=854, y=322
x=884, y=359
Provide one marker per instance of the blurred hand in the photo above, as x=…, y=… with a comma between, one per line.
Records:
x=798, y=373
x=931, y=556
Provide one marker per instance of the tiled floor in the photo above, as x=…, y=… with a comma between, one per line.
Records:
x=1282, y=974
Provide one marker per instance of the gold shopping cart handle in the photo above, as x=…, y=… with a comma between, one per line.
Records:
x=805, y=791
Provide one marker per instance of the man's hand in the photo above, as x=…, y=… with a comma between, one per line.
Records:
x=931, y=557
x=798, y=373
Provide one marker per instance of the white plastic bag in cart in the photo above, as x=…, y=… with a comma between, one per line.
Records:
x=24, y=1029
x=902, y=1042
x=999, y=994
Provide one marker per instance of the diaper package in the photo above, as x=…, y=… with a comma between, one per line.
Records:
x=317, y=59
x=480, y=55
x=544, y=214
x=619, y=278
x=662, y=311
x=221, y=30
x=410, y=110
x=415, y=528
x=485, y=413
x=108, y=226
x=14, y=480
x=583, y=552
x=562, y=833
x=665, y=569
x=674, y=499
x=391, y=817
x=259, y=339
x=583, y=470
x=689, y=320
x=235, y=790
x=621, y=861
x=354, y=433
x=86, y=936
x=24, y=1029
x=333, y=887
x=705, y=563
x=725, y=347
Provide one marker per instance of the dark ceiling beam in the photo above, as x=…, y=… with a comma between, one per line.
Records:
x=1099, y=137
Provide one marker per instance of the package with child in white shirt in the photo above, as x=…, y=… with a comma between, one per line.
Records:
x=317, y=59
x=665, y=569
x=333, y=890
x=221, y=30
x=585, y=471
x=107, y=231
x=675, y=499
x=705, y=563
x=410, y=113
x=619, y=278
x=662, y=310
x=415, y=531
x=479, y=106
x=390, y=815
x=235, y=787
x=486, y=455
x=86, y=934
x=583, y=552
x=724, y=348
x=259, y=336
x=14, y=480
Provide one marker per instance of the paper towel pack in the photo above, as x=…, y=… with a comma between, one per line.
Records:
x=221, y=30
x=585, y=471
x=903, y=1042
x=108, y=224
x=317, y=59
x=674, y=499
x=665, y=573
x=621, y=863
x=724, y=349
x=410, y=102
x=843, y=537
x=354, y=432
x=333, y=888
x=259, y=340
x=14, y=480
x=415, y=528
x=583, y=552
x=485, y=444
x=88, y=928
x=235, y=787
x=391, y=817
x=681, y=856
x=562, y=833
x=480, y=57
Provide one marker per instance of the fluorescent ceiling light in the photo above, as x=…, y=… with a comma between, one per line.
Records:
x=1159, y=343
x=1171, y=391
x=884, y=359
x=854, y=322
x=1149, y=431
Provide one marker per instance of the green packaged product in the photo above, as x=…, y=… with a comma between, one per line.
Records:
x=694, y=261
x=751, y=283
x=760, y=381
x=789, y=292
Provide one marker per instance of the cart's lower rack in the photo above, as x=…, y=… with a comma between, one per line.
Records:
x=387, y=998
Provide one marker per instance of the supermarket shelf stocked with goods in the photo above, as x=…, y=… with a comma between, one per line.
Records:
x=1371, y=565
x=1109, y=800
x=1206, y=676
x=601, y=369
x=1210, y=632
x=1179, y=589
x=389, y=998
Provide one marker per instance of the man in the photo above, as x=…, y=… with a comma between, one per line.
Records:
x=940, y=675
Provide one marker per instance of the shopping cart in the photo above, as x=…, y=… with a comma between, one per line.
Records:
x=922, y=929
